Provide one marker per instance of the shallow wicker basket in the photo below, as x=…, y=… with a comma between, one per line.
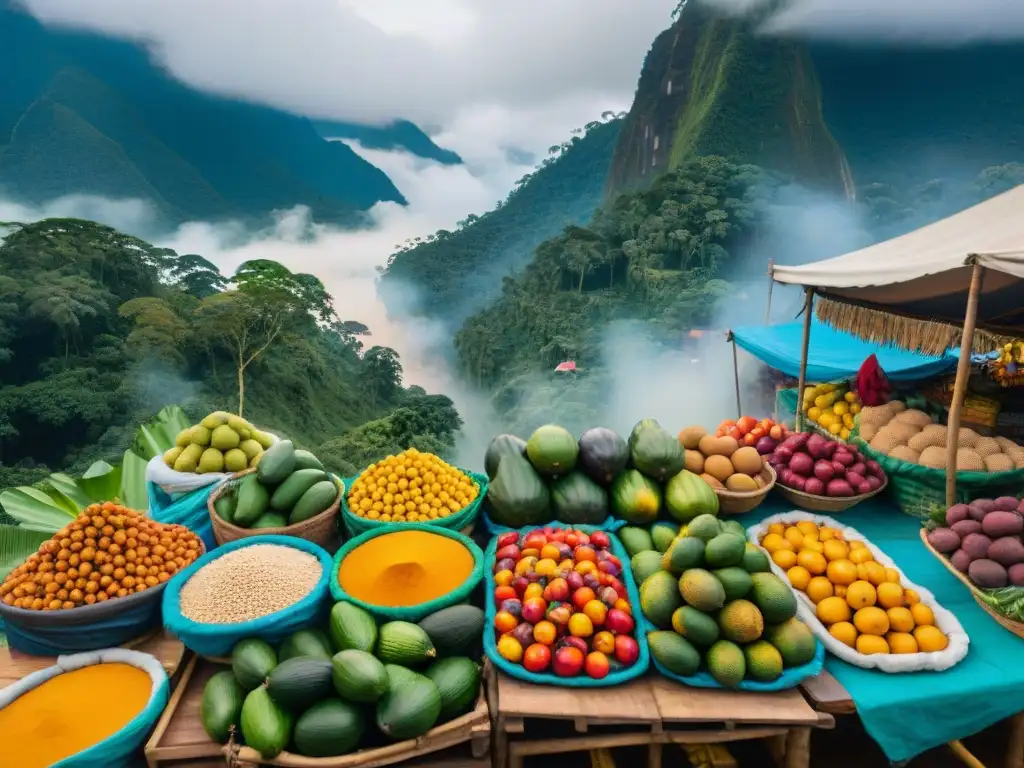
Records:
x=814, y=503
x=1009, y=624
x=321, y=529
x=739, y=502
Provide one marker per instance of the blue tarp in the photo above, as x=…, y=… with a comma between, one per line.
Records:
x=833, y=354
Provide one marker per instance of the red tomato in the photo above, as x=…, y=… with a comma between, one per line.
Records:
x=604, y=642
x=505, y=622
x=534, y=610
x=746, y=423
x=776, y=432
x=558, y=536
x=582, y=596
x=596, y=665
x=545, y=632
x=507, y=538
x=535, y=541
x=537, y=658
x=504, y=593
x=758, y=432
x=568, y=661
x=584, y=554
x=619, y=622
x=749, y=439
x=600, y=540
x=734, y=433
x=626, y=649
x=558, y=590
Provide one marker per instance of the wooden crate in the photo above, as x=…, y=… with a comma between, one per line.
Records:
x=168, y=650
x=179, y=738
x=650, y=711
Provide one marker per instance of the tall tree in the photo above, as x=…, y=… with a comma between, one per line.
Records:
x=382, y=373
x=66, y=301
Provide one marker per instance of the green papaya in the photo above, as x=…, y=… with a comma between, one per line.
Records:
x=635, y=498
x=498, y=447
x=655, y=451
x=552, y=450
x=603, y=454
x=687, y=496
x=518, y=496
x=578, y=500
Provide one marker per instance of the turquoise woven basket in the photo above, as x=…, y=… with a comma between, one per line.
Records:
x=410, y=612
x=460, y=521
x=616, y=676
x=610, y=525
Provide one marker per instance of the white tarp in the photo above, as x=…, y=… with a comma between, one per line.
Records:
x=926, y=273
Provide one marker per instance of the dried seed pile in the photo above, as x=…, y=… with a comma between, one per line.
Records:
x=249, y=583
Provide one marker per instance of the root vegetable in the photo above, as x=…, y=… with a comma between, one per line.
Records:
x=944, y=540
x=1001, y=523
x=964, y=528
x=838, y=488
x=960, y=560
x=815, y=486
x=1007, y=551
x=802, y=464
x=1006, y=504
x=956, y=513
x=987, y=574
x=976, y=545
x=823, y=470
x=1016, y=575
x=874, y=482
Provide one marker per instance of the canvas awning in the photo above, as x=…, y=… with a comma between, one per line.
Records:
x=912, y=290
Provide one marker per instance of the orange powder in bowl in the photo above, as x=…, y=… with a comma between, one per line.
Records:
x=70, y=713
x=405, y=568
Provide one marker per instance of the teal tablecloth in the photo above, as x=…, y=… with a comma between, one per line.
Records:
x=910, y=713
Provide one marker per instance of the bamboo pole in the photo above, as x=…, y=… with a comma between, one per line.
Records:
x=808, y=306
x=736, y=375
x=963, y=370
x=771, y=285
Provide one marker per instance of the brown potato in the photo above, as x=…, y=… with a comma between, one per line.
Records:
x=694, y=461
x=690, y=437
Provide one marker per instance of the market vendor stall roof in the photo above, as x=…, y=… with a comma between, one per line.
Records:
x=834, y=354
x=913, y=289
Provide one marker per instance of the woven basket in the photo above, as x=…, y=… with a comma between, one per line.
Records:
x=814, y=503
x=1009, y=624
x=321, y=529
x=739, y=502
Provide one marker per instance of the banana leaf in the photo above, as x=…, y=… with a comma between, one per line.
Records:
x=133, y=481
x=101, y=482
x=66, y=491
x=17, y=543
x=159, y=433
x=35, y=509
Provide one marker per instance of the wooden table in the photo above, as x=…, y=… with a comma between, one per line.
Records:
x=648, y=711
x=827, y=694
x=170, y=651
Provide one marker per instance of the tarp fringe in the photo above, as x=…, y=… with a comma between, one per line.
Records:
x=912, y=334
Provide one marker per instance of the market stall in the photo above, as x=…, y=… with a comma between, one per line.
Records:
x=954, y=282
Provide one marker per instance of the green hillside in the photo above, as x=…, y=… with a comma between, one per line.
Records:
x=450, y=274
x=99, y=330
x=712, y=86
x=83, y=114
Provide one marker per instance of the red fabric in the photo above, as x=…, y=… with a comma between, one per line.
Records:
x=872, y=384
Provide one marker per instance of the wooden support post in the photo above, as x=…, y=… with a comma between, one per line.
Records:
x=963, y=371
x=808, y=311
x=771, y=284
x=798, y=748
x=1015, y=749
x=964, y=756
x=736, y=375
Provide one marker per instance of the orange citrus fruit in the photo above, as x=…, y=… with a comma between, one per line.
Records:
x=811, y=545
x=813, y=561
x=891, y=574
x=784, y=558
x=842, y=572
x=875, y=572
x=860, y=594
x=856, y=544
x=844, y=632
x=799, y=577
x=901, y=642
x=818, y=589
x=825, y=533
x=922, y=614
x=794, y=536
x=832, y=610
x=889, y=595
x=911, y=596
x=839, y=590
x=835, y=550
x=930, y=639
x=900, y=619
x=868, y=644
x=871, y=621
x=774, y=542
x=808, y=528
x=777, y=528
x=860, y=555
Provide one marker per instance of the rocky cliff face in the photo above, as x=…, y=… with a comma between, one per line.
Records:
x=710, y=86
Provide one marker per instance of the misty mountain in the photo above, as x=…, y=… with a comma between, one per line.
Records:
x=830, y=115
x=81, y=113
x=451, y=274
x=396, y=135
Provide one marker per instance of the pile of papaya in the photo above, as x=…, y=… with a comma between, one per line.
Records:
x=355, y=683
x=553, y=476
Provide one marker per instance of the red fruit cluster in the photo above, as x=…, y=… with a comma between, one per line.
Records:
x=561, y=605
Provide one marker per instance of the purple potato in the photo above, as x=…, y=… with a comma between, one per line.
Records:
x=976, y=545
x=979, y=508
x=1001, y=523
x=1007, y=551
x=987, y=574
x=956, y=513
x=1016, y=575
x=960, y=560
x=944, y=540
x=1006, y=504
x=966, y=528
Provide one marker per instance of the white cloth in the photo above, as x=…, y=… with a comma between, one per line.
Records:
x=910, y=662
